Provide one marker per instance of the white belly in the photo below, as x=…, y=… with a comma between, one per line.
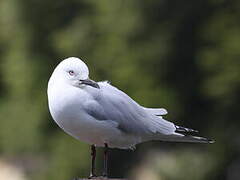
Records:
x=69, y=115
x=77, y=123
x=97, y=132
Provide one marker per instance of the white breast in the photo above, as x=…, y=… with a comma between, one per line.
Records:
x=65, y=107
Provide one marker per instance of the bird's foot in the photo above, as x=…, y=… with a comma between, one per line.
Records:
x=92, y=176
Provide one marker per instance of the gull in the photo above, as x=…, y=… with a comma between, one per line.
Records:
x=104, y=116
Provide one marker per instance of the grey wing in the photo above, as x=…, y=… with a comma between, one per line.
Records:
x=112, y=104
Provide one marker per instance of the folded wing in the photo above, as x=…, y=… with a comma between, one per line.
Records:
x=113, y=104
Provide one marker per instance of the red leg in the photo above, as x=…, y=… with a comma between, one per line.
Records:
x=105, y=159
x=93, y=154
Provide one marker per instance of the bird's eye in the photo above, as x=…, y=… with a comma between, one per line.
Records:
x=71, y=72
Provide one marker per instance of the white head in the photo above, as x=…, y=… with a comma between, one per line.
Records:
x=72, y=71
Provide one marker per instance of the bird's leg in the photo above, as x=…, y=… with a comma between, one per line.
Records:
x=93, y=154
x=105, y=160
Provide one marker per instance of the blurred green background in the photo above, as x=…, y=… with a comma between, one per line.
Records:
x=181, y=55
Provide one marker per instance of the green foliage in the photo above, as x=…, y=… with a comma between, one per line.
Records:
x=173, y=54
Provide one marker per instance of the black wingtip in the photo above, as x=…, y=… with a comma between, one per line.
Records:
x=206, y=140
x=180, y=129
